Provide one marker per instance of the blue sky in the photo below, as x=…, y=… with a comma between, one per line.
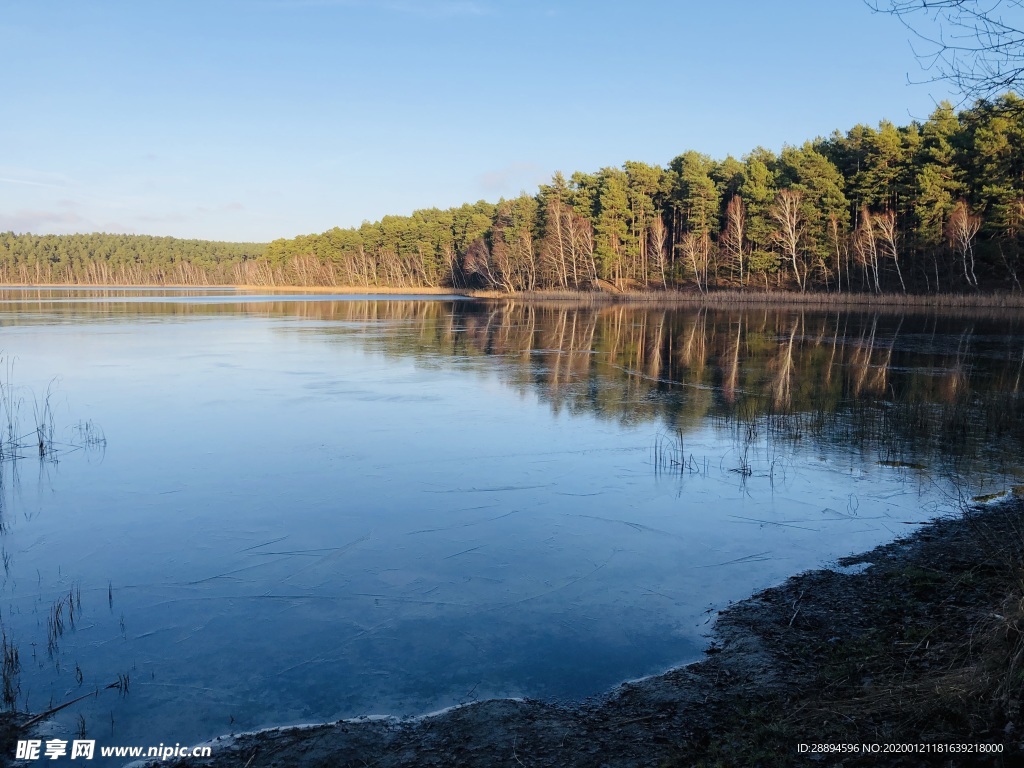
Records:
x=257, y=119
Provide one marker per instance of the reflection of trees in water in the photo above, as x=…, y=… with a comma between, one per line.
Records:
x=900, y=388
x=781, y=382
x=940, y=390
x=933, y=384
x=732, y=371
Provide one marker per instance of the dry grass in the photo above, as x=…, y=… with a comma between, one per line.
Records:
x=782, y=299
x=357, y=290
x=727, y=297
x=927, y=646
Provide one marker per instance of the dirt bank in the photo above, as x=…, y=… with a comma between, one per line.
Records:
x=922, y=647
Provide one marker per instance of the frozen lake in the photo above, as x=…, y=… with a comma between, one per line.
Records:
x=317, y=507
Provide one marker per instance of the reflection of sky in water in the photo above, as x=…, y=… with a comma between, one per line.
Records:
x=307, y=518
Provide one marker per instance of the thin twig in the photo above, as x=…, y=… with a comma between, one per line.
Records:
x=796, y=605
x=514, y=751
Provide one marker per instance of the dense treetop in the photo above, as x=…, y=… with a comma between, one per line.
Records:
x=931, y=206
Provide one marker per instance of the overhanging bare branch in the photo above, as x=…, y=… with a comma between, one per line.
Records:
x=977, y=45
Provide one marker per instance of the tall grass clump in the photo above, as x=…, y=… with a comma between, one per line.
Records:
x=670, y=457
x=10, y=668
x=731, y=298
x=8, y=413
x=18, y=441
x=44, y=423
x=972, y=441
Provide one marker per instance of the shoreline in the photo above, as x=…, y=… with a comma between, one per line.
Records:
x=726, y=297
x=916, y=642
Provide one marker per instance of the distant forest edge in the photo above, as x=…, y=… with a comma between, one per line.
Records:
x=934, y=206
x=107, y=259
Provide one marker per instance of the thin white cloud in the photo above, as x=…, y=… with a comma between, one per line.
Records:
x=30, y=177
x=511, y=178
x=232, y=207
x=411, y=7
x=29, y=183
x=165, y=218
x=62, y=221
x=447, y=8
x=43, y=222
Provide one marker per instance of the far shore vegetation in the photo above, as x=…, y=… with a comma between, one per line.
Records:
x=932, y=207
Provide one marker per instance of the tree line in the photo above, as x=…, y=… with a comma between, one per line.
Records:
x=932, y=206
x=109, y=259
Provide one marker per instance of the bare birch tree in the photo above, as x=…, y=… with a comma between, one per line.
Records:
x=696, y=250
x=555, y=247
x=961, y=229
x=840, y=246
x=785, y=211
x=1014, y=230
x=657, y=237
x=888, y=234
x=734, y=235
x=567, y=252
x=865, y=246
